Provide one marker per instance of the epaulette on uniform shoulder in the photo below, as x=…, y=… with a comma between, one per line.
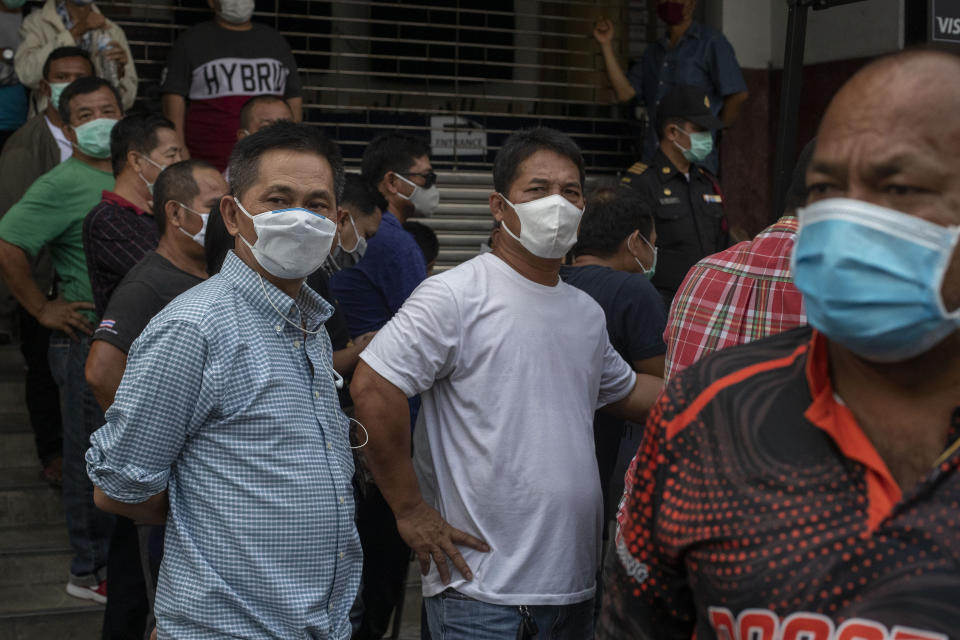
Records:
x=637, y=167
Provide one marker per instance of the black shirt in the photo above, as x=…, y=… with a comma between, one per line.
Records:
x=757, y=496
x=336, y=324
x=636, y=320
x=688, y=216
x=143, y=292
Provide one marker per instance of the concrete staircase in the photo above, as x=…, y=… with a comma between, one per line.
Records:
x=34, y=548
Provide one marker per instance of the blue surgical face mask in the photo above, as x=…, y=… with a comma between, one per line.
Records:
x=701, y=144
x=871, y=278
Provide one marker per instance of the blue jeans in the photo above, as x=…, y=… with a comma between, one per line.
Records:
x=454, y=616
x=89, y=528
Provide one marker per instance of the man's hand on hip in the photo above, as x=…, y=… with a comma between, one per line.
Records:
x=61, y=315
x=430, y=536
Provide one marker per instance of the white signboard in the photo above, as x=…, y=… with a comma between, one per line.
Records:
x=453, y=135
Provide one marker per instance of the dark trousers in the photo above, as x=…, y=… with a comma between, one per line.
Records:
x=385, y=561
x=125, y=617
x=42, y=393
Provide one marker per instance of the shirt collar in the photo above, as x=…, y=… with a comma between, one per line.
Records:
x=267, y=299
x=390, y=219
x=693, y=31
x=120, y=201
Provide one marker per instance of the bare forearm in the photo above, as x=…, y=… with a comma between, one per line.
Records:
x=296, y=107
x=104, y=371
x=732, y=106
x=152, y=511
x=618, y=79
x=383, y=410
x=174, y=109
x=345, y=360
x=637, y=404
x=15, y=270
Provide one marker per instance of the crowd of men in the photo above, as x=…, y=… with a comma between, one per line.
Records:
x=269, y=401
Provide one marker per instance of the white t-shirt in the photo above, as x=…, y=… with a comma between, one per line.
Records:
x=510, y=373
x=66, y=149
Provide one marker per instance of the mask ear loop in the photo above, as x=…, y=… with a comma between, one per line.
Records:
x=365, y=433
x=283, y=315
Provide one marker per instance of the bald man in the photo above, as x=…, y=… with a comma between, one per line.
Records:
x=806, y=485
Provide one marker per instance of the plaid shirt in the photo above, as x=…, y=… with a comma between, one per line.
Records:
x=234, y=412
x=116, y=236
x=736, y=296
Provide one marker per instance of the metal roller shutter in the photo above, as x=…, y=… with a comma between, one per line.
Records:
x=465, y=73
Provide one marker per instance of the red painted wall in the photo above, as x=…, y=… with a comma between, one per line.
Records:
x=747, y=148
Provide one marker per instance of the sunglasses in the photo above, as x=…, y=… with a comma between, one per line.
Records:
x=429, y=178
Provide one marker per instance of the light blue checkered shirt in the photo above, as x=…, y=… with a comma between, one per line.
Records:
x=235, y=413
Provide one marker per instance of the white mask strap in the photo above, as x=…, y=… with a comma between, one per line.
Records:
x=366, y=434
x=284, y=316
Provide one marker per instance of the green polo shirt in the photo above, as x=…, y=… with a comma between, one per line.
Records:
x=51, y=213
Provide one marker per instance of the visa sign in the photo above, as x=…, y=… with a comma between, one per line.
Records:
x=945, y=15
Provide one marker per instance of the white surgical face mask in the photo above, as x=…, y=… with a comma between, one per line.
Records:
x=236, y=11
x=150, y=184
x=653, y=267
x=291, y=243
x=425, y=201
x=201, y=235
x=548, y=226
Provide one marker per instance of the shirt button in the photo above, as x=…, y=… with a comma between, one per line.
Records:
x=330, y=608
x=296, y=344
x=341, y=499
x=279, y=328
x=316, y=394
x=341, y=555
x=329, y=446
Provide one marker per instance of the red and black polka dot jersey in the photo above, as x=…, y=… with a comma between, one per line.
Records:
x=757, y=509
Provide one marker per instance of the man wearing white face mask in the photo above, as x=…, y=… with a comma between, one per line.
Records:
x=215, y=67
x=398, y=166
x=359, y=222
x=120, y=230
x=511, y=363
x=51, y=213
x=227, y=427
x=805, y=485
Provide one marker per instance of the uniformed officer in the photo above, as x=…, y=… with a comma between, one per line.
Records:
x=685, y=197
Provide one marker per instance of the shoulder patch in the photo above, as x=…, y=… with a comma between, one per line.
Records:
x=637, y=167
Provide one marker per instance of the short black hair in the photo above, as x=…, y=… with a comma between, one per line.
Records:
x=426, y=239
x=396, y=152
x=81, y=87
x=359, y=193
x=254, y=101
x=65, y=52
x=177, y=183
x=612, y=213
x=662, y=126
x=137, y=132
x=283, y=135
x=523, y=144
x=217, y=241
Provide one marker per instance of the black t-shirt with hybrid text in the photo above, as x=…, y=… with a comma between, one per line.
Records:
x=218, y=70
x=143, y=292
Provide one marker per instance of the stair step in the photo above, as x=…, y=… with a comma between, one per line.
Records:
x=43, y=611
x=12, y=392
x=14, y=421
x=33, y=538
x=34, y=567
x=21, y=478
x=17, y=450
x=11, y=360
x=39, y=505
